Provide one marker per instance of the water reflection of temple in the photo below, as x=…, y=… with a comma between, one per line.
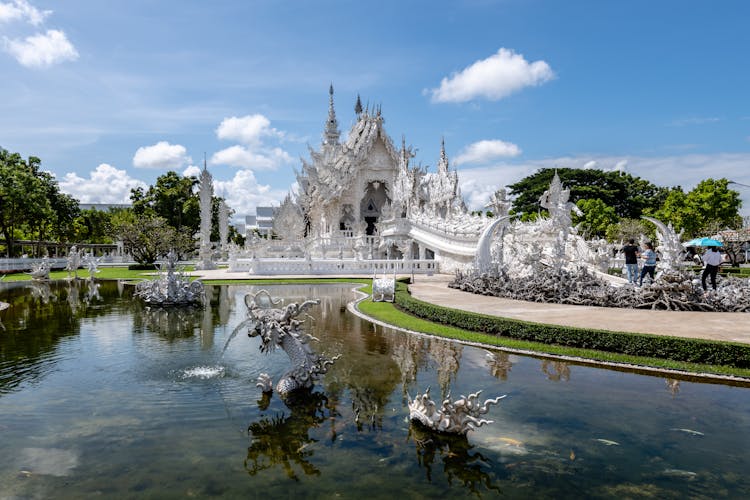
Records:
x=556, y=370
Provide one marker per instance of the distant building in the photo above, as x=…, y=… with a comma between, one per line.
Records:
x=262, y=221
x=103, y=207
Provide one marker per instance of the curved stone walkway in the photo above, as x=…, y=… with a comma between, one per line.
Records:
x=733, y=327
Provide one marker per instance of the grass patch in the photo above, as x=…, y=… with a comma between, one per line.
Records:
x=388, y=313
x=105, y=273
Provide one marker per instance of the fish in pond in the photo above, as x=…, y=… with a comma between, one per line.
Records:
x=679, y=473
x=607, y=442
x=688, y=431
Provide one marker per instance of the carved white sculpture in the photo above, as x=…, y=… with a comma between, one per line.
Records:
x=41, y=271
x=74, y=262
x=670, y=245
x=383, y=289
x=453, y=417
x=289, y=222
x=205, y=194
x=172, y=288
x=280, y=328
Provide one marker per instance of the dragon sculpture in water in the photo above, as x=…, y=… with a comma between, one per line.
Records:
x=279, y=328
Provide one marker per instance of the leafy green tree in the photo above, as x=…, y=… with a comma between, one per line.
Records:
x=709, y=205
x=627, y=229
x=628, y=195
x=145, y=238
x=597, y=217
x=172, y=198
x=31, y=204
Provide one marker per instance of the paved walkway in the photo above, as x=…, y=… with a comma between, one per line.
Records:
x=734, y=327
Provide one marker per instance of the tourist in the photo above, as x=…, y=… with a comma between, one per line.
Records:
x=649, y=264
x=631, y=261
x=712, y=260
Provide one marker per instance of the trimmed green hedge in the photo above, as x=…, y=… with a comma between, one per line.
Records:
x=674, y=348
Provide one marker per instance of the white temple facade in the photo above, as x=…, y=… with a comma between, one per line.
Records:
x=360, y=200
x=362, y=208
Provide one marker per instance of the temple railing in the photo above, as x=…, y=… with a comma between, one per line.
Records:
x=332, y=266
x=26, y=264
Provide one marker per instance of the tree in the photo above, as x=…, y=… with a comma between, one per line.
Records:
x=171, y=198
x=628, y=195
x=145, y=238
x=597, y=217
x=710, y=205
x=31, y=203
x=628, y=229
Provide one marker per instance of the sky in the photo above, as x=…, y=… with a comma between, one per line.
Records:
x=112, y=94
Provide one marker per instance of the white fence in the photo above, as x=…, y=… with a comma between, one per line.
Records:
x=332, y=266
x=26, y=264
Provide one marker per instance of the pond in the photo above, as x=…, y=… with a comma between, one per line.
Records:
x=101, y=396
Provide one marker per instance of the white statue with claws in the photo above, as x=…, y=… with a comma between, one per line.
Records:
x=279, y=328
x=457, y=417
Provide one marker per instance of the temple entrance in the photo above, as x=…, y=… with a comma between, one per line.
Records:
x=370, y=229
x=372, y=204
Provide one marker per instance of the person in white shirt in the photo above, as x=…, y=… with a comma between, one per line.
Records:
x=712, y=260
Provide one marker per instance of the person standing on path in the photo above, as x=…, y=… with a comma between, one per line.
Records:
x=649, y=264
x=631, y=260
x=712, y=260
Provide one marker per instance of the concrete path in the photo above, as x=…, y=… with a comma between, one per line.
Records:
x=733, y=327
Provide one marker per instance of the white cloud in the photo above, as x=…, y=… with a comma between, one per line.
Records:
x=161, y=155
x=106, y=184
x=694, y=120
x=192, y=170
x=22, y=10
x=243, y=193
x=589, y=164
x=487, y=150
x=41, y=51
x=248, y=129
x=493, y=78
x=241, y=156
x=477, y=184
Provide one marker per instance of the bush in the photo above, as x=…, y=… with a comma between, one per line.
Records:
x=142, y=267
x=674, y=348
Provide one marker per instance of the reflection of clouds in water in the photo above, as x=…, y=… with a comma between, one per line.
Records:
x=48, y=461
x=106, y=334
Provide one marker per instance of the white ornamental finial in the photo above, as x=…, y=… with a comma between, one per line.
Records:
x=332, y=133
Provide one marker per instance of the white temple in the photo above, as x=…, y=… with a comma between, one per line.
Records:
x=362, y=208
x=361, y=200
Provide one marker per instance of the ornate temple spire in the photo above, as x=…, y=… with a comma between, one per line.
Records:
x=358, y=106
x=443, y=163
x=332, y=133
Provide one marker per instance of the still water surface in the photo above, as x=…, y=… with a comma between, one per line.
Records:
x=102, y=397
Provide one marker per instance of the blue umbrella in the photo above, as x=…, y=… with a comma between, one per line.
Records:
x=703, y=242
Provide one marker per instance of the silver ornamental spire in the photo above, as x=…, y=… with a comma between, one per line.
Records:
x=443, y=164
x=332, y=133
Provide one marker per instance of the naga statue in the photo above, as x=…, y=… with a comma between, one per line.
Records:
x=280, y=328
x=457, y=417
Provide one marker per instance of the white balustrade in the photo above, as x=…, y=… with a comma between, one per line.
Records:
x=332, y=266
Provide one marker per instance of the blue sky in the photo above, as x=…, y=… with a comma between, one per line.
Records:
x=112, y=94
